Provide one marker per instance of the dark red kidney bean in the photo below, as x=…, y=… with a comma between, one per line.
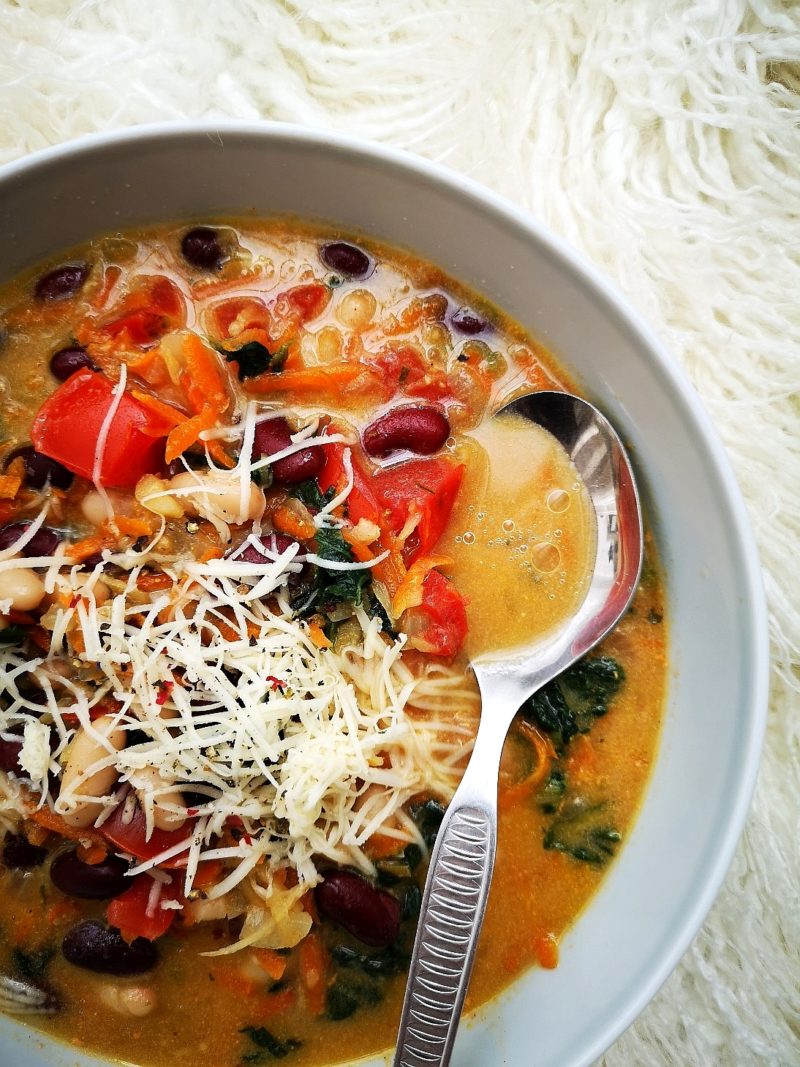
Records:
x=274, y=435
x=9, y=756
x=466, y=321
x=201, y=247
x=61, y=283
x=43, y=543
x=370, y=914
x=40, y=469
x=66, y=361
x=275, y=542
x=418, y=429
x=95, y=947
x=90, y=881
x=345, y=259
x=20, y=854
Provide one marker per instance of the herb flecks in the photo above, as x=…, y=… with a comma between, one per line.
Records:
x=267, y=1045
x=570, y=703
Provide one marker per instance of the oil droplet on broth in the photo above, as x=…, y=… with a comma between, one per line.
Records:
x=545, y=557
x=558, y=500
x=501, y=535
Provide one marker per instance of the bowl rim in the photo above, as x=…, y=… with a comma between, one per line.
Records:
x=582, y=272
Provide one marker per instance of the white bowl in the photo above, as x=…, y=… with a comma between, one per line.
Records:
x=659, y=890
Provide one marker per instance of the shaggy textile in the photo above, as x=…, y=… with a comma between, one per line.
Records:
x=661, y=138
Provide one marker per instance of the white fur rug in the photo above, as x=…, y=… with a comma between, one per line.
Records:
x=659, y=136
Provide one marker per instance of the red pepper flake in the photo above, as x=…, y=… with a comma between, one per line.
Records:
x=164, y=690
x=276, y=683
x=191, y=811
x=247, y=839
x=75, y=601
x=235, y=820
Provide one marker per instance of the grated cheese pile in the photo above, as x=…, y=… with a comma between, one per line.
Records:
x=309, y=751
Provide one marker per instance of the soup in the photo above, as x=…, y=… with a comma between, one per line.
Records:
x=256, y=520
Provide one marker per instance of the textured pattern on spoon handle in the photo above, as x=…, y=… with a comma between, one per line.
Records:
x=447, y=934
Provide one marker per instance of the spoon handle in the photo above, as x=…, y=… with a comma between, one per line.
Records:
x=451, y=915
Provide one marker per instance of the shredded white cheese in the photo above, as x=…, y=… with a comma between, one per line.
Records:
x=301, y=753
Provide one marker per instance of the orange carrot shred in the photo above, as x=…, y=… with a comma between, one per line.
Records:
x=313, y=967
x=317, y=635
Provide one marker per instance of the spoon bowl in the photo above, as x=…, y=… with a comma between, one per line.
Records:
x=463, y=857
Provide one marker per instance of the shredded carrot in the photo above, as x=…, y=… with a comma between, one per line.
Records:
x=92, y=853
x=236, y=981
x=202, y=378
x=286, y=520
x=313, y=961
x=188, y=433
x=129, y=527
x=317, y=635
x=149, y=583
x=270, y=961
x=11, y=481
x=167, y=417
x=217, y=452
x=545, y=754
x=89, y=546
x=150, y=367
x=379, y=846
x=51, y=821
x=328, y=380
x=545, y=949
x=211, y=553
x=207, y=874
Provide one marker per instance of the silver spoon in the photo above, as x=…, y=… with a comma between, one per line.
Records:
x=463, y=857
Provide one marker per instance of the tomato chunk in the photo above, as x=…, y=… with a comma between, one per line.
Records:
x=131, y=836
x=130, y=914
x=68, y=424
x=422, y=487
x=439, y=624
x=362, y=503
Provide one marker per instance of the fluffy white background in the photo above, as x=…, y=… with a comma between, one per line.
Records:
x=659, y=136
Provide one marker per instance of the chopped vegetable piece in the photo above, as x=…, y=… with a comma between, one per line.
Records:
x=68, y=425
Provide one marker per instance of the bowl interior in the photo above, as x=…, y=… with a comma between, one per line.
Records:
x=659, y=889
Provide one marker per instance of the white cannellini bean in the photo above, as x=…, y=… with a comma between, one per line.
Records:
x=94, y=508
x=162, y=819
x=83, y=751
x=329, y=344
x=222, y=497
x=23, y=587
x=357, y=308
x=132, y=1000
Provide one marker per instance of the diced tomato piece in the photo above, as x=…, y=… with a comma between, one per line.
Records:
x=246, y=312
x=151, y=309
x=402, y=369
x=129, y=912
x=302, y=303
x=68, y=424
x=424, y=487
x=362, y=503
x=439, y=624
x=131, y=836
